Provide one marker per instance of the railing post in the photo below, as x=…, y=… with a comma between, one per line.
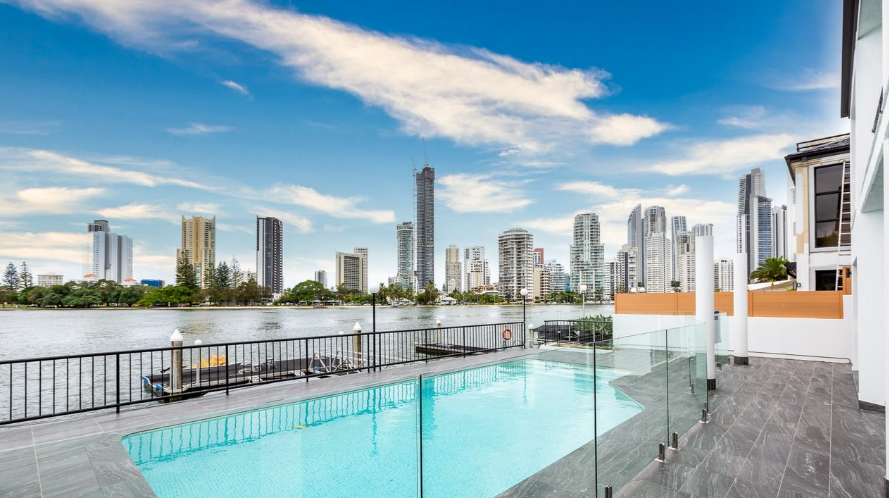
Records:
x=226, y=369
x=117, y=382
x=176, y=362
x=464, y=341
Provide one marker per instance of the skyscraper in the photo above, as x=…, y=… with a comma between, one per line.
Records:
x=587, y=254
x=754, y=222
x=636, y=239
x=724, y=275
x=350, y=271
x=516, y=262
x=404, y=235
x=476, y=269
x=108, y=256
x=557, y=275
x=321, y=278
x=779, y=231
x=658, y=252
x=541, y=289
x=626, y=272
x=362, y=251
x=685, y=261
x=199, y=246
x=453, y=271
x=270, y=254
x=677, y=226
x=425, y=201
x=702, y=229
x=538, y=256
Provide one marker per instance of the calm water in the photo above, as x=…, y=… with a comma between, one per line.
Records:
x=30, y=333
x=481, y=434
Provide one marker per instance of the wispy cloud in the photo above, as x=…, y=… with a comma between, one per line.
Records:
x=237, y=87
x=595, y=189
x=301, y=223
x=28, y=127
x=718, y=157
x=338, y=207
x=477, y=193
x=48, y=200
x=137, y=211
x=51, y=246
x=809, y=79
x=199, y=208
x=469, y=95
x=200, y=129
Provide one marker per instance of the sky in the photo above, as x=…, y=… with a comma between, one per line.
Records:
x=144, y=111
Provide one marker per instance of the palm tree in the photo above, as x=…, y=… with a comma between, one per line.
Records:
x=772, y=270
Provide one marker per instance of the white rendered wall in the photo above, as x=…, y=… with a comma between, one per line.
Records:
x=870, y=303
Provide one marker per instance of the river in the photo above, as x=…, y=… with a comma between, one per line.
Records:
x=34, y=333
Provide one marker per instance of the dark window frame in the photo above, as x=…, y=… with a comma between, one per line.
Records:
x=837, y=220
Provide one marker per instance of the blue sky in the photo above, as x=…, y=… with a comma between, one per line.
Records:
x=141, y=111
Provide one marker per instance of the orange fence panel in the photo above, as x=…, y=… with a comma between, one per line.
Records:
x=799, y=304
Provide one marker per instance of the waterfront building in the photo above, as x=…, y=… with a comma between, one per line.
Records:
x=823, y=232
x=50, y=279
x=702, y=229
x=538, y=256
x=199, y=246
x=657, y=262
x=677, y=226
x=724, y=275
x=108, y=256
x=625, y=275
x=321, y=277
x=350, y=271
x=685, y=261
x=754, y=219
x=635, y=237
x=587, y=254
x=364, y=268
x=425, y=203
x=475, y=266
x=779, y=231
x=270, y=254
x=151, y=282
x=453, y=270
x=404, y=238
x=541, y=290
x=516, y=262
x=557, y=275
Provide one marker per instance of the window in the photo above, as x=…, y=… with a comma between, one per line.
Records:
x=825, y=280
x=828, y=183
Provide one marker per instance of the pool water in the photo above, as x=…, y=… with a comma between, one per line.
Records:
x=484, y=430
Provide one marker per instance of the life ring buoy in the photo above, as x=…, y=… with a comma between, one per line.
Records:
x=506, y=334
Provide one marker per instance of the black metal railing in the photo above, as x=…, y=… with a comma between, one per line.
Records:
x=574, y=331
x=35, y=388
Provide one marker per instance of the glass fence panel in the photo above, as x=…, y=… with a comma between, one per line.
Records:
x=632, y=407
x=687, y=382
x=721, y=331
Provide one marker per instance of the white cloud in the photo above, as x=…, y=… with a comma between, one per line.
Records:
x=676, y=190
x=48, y=200
x=237, y=87
x=302, y=224
x=38, y=160
x=234, y=228
x=339, y=207
x=717, y=157
x=590, y=188
x=473, y=193
x=810, y=79
x=469, y=95
x=199, y=208
x=28, y=127
x=199, y=129
x=51, y=246
x=138, y=211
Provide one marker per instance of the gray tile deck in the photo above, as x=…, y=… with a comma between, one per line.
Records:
x=777, y=428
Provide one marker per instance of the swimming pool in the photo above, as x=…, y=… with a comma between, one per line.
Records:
x=483, y=431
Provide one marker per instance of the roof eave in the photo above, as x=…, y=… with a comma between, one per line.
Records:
x=850, y=25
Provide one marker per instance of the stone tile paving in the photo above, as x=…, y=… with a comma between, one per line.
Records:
x=778, y=428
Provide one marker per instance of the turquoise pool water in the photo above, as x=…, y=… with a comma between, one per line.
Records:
x=484, y=430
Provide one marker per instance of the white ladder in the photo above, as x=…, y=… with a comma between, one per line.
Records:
x=844, y=237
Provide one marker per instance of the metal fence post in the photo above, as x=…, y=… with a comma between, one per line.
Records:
x=117, y=382
x=226, y=369
x=464, y=341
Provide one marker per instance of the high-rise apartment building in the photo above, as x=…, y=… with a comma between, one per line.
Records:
x=557, y=276
x=677, y=226
x=625, y=274
x=199, y=246
x=362, y=251
x=50, y=279
x=476, y=269
x=321, y=278
x=685, y=261
x=516, y=262
x=350, y=271
x=108, y=256
x=779, y=232
x=270, y=254
x=724, y=275
x=702, y=229
x=754, y=221
x=538, y=256
x=657, y=262
x=635, y=238
x=587, y=254
x=404, y=235
x=425, y=201
x=541, y=286
x=453, y=269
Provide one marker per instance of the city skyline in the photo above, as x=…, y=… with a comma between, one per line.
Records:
x=214, y=131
